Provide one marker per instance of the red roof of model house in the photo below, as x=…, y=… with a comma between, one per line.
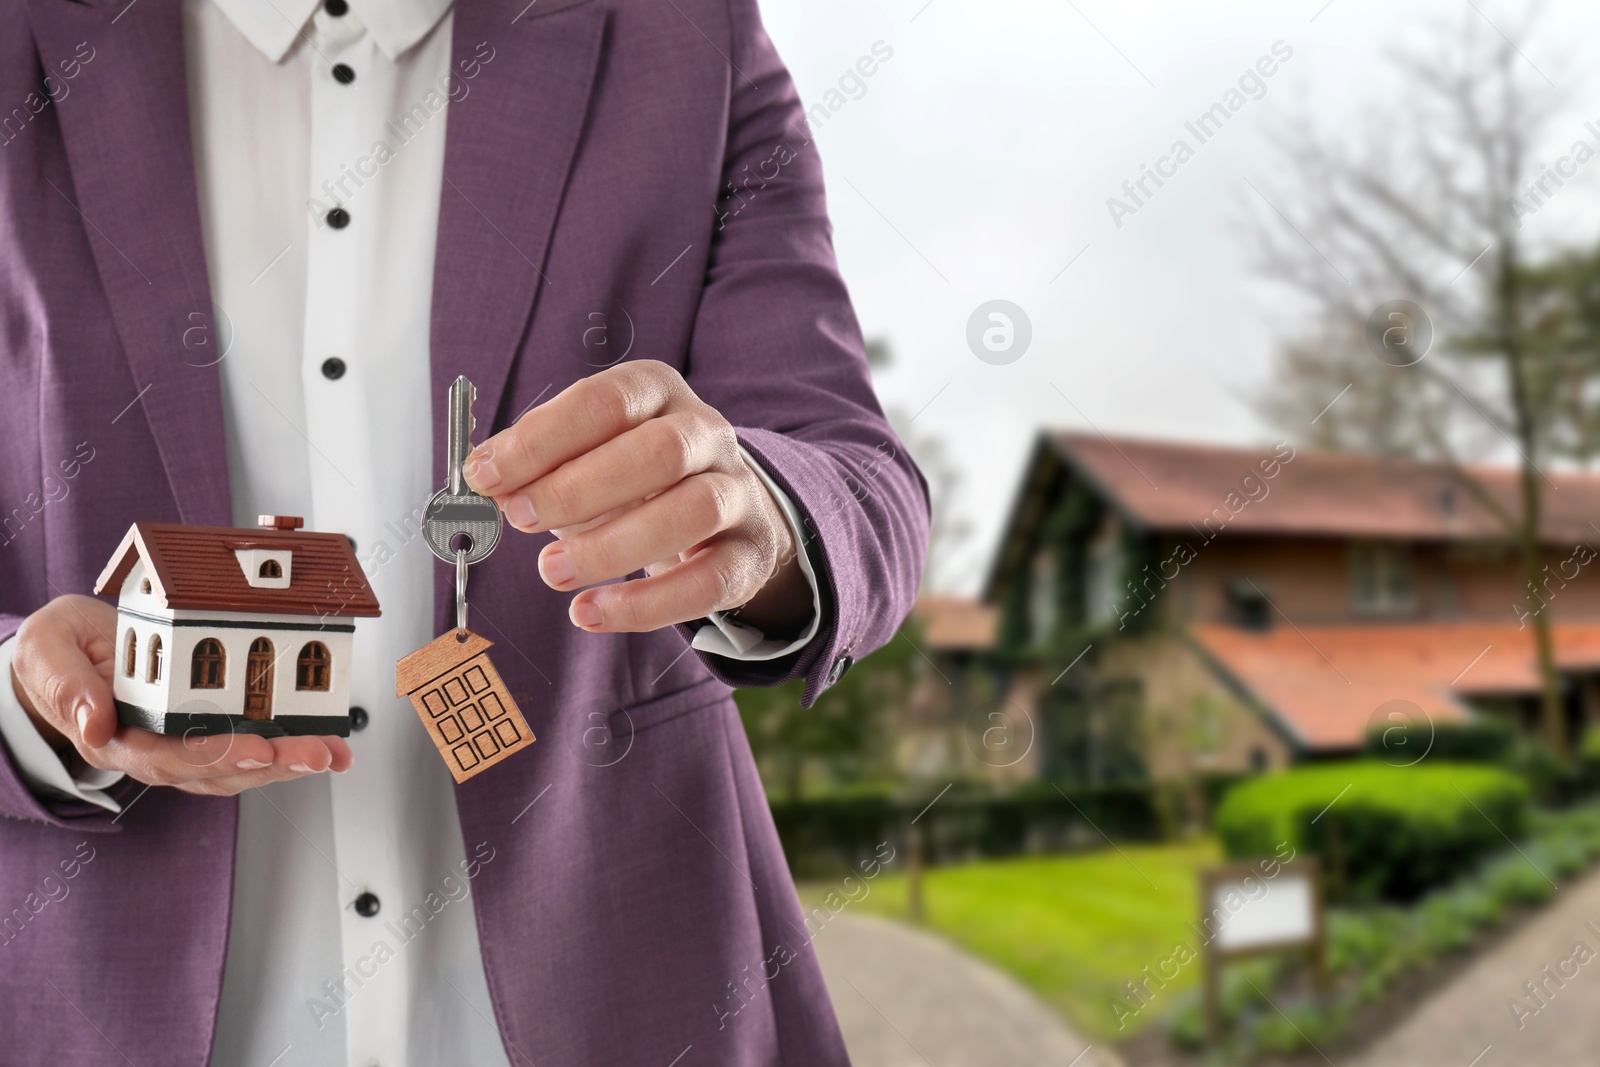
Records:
x=199, y=568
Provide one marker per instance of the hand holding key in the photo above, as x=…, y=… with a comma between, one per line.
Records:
x=632, y=471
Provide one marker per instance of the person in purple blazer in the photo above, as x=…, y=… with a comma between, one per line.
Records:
x=244, y=249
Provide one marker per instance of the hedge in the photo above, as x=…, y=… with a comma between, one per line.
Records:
x=1391, y=832
x=824, y=835
x=1482, y=740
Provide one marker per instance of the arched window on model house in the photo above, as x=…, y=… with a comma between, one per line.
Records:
x=313, y=667
x=130, y=655
x=206, y=667
x=155, y=659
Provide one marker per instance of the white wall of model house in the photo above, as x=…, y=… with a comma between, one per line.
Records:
x=140, y=612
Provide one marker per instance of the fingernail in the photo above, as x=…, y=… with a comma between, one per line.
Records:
x=556, y=566
x=585, y=613
x=300, y=768
x=251, y=765
x=479, y=467
x=519, y=512
x=83, y=718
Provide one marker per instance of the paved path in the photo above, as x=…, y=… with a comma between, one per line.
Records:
x=908, y=999
x=1468, y=1021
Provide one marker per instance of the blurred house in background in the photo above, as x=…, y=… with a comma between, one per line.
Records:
x=958, y=634
x=1165, y=610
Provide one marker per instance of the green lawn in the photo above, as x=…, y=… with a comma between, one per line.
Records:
x=1073, y=928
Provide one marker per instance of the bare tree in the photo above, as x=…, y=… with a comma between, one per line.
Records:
x=949, y=531
x=1427, y=205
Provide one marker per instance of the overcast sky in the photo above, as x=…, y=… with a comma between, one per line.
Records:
x=977, y=162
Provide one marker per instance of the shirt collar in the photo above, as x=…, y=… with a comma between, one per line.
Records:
x=273, y=25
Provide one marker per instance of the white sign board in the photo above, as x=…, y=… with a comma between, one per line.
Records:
x=1252, y=911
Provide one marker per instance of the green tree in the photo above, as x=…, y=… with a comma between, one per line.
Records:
x=842, y=738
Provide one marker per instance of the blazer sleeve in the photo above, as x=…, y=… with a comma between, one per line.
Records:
x=777, y=349
x=19, y=801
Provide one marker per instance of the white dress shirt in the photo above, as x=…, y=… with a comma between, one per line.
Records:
x=289, y=106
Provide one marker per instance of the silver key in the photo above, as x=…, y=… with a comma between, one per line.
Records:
x=456, y=511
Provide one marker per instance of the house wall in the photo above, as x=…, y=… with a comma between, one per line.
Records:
x=1194, y=722
x=1308, y=579
x=288, y=635
x=181, y=631
x=134, y=687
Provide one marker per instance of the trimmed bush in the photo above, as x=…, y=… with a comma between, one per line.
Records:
x=1395, y=831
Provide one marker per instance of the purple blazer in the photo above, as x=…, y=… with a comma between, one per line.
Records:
x=606, y=138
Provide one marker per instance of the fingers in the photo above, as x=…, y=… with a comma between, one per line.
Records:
x=640, y=462
x=582, y=417
x=291, y=762
x=62, y=666
x=679, y=520
x=716, y=578
x=242, y=760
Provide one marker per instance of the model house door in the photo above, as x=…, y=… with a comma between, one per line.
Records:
x=258, y=680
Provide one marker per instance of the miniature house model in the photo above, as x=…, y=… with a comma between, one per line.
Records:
x=235, y=630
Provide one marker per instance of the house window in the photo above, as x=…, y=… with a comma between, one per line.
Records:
x=144, y=586
x=1248, y=605
x=205, y=668
x=1381, y=581
x=130, y=655
x=154, y=674
x=311, y=672
x=265, y=568
x=1042, y=596
x=1104, y=578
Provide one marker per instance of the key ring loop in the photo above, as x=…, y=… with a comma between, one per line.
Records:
x=461, y=594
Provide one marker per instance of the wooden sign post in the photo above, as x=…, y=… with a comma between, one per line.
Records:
x=1245, y=914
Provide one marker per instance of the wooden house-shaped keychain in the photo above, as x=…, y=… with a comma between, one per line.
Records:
x=224, y=630
x=463, y=704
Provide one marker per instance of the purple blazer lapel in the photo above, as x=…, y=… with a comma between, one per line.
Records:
x=126, y=128
x=509, y=146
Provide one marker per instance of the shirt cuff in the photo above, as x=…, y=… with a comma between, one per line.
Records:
x=732, y=639
x=41, y=768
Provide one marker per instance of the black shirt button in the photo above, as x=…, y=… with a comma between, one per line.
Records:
x=367, y=905
x=358, y=718
x=343, y=73
x=337, y=8
x=338, y=218
x=333, y=368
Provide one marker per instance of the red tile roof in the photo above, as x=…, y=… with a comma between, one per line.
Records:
x=195, y=567
x=1168, y=485
x=955, y=623
x=1324, y=683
